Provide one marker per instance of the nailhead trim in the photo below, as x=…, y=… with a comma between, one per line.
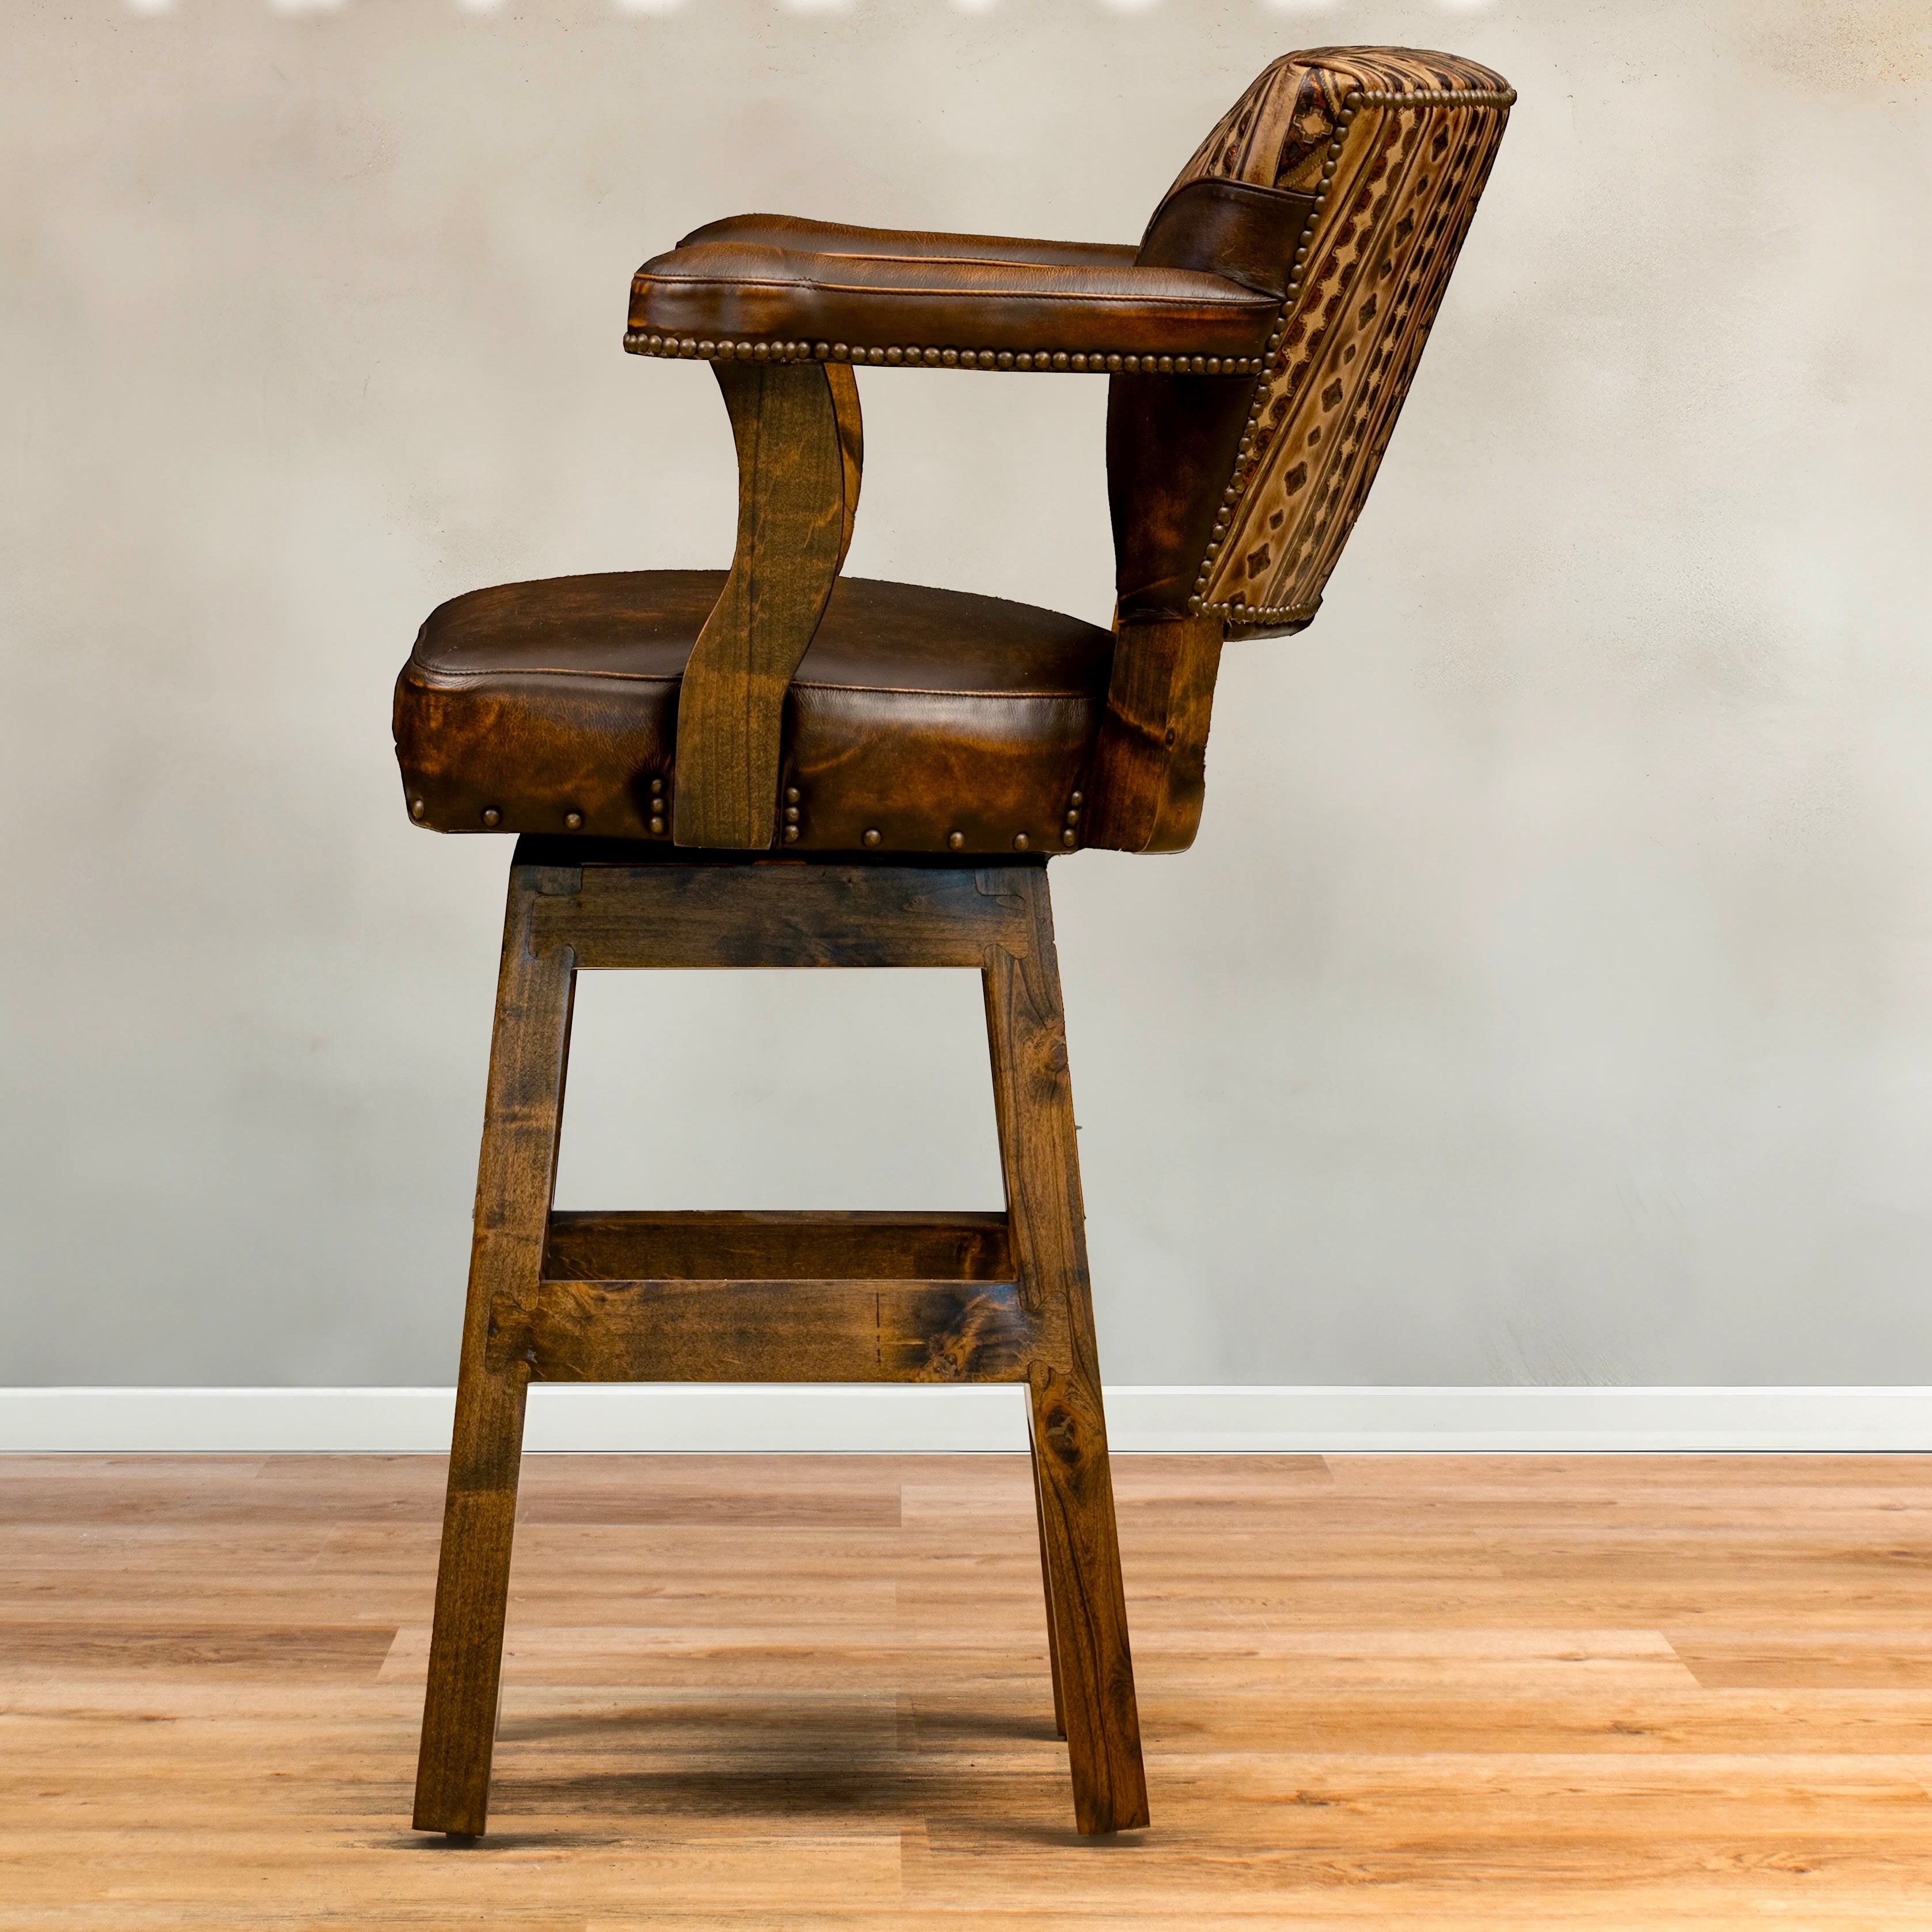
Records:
x=1232, y=611
x=1436, y=96
x=1238, y=613
x=687, y=348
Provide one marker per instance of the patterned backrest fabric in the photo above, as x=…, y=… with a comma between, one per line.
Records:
x=1396, y=145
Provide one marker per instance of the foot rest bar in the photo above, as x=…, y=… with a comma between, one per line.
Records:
x=755, y=1331
x=791, y=1247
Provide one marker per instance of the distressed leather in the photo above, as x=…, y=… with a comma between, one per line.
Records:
x=917, y=714
x=1310, y=238
x=804, y=236
x=1172, y=439
x=1231, y=229
x=740, y=290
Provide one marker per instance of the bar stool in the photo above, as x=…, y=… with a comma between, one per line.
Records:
x=778, y=766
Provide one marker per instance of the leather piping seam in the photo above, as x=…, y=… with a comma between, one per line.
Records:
x=1231, y=610
x=1235, y=300
x=460, y=680
x=432, y=678
x=1094, y=361
x=937, y=691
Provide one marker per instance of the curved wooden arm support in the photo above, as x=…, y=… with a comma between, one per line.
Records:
x=800, y=451
x=1151, y=764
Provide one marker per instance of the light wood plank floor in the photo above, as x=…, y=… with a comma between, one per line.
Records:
x=1668, y=1692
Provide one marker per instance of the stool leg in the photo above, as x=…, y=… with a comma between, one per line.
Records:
x=516, y=1180
x=1046, y=1579
x=1033, y=1102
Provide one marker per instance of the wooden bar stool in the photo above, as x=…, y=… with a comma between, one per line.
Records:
x=775, y=766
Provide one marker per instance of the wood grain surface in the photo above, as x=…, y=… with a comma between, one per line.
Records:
x=701, y=1300
x=529, y=1050
x=1032, y=1104
x=759, y=1245
x=771, y=1331
x=1622, y=1694
x=800, y=452
x=1150, y=777
x=815, y=912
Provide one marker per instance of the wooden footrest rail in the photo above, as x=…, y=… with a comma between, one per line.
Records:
x=764, y=1246
x=837, y=1298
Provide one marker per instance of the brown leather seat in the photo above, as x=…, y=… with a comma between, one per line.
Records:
x=920, y=720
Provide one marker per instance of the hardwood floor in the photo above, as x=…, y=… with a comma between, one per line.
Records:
x=808, y=1693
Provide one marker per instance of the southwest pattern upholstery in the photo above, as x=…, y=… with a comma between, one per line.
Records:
x=1398, y=144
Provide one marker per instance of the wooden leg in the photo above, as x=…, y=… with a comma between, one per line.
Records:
x=516, y=1180
x=1033, y=1102
x=1046, y=1579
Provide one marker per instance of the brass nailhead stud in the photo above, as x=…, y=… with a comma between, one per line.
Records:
x=1077, y=798
x=657, y=825
x=1073, y=815
x=491, y=816
x=657, y=784
x=791, y=834
x=872, y=836
x=1069, y=838
x=574, y=821
x=955, y=839
x=417, y=808
x=791, y=814
x=1021, y=841
x=791, y=794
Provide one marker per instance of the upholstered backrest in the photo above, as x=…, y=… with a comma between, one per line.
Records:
x=1344, y=181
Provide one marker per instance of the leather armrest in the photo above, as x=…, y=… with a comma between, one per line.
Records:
x=804, y=236
x=741, y=297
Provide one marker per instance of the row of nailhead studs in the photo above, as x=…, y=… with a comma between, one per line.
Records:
x=419, y=809
x=573, y=821
x=954, y=840
x=1197, y=603
x=1238, y=613
x=873, y=836
x=1438, y=96
x=686, y=347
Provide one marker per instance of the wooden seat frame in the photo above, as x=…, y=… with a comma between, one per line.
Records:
x=842, y=1297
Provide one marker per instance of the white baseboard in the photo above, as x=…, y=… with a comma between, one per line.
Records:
x=693, y=1417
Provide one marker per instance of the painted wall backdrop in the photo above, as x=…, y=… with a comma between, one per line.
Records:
x=1549, y=997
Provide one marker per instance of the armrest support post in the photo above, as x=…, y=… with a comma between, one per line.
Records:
x=1151, y=764
x=800, y=452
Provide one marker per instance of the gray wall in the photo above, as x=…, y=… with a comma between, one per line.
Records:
x=1550, y=995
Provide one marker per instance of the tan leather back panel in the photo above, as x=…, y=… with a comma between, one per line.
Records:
x=1397, y=144
x=1400, y=145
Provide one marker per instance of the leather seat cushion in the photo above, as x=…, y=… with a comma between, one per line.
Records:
x=802, y=235
x=917, y=713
